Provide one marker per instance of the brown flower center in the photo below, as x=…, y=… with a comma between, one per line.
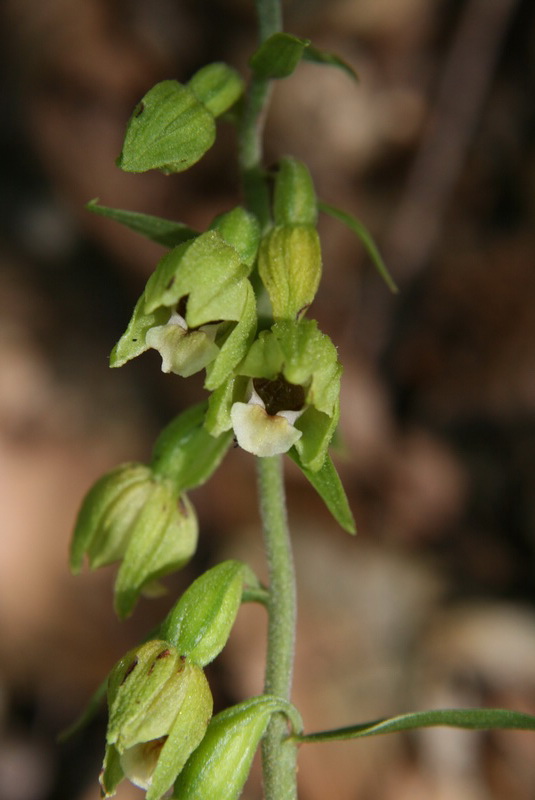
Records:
x=279, y=395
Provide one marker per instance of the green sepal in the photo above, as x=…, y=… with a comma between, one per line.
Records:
x=278, y=56
x=200, y=623
x=217, y=86
x=159, y=707
x=289, y=264
x=328, y=485
x=220, y=402
x=318, y=430
x=186, y=453
x=162, y=539
x=365, y=237
x=208, y=271
x=303, y=355
x=294, y=198
x=107, y=514
x=235, y=346
x=468, y=718
x=169, y=130
x=133, y=342
x=219, y=767
x=316, y=56
x=241, y=230
x=112, y=772
x=163, y=231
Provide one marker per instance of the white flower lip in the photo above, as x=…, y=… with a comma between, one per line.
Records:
x=264, y=434
x=183, y=352
x=139, y=762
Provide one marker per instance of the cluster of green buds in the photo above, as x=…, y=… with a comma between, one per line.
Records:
x=160, y=704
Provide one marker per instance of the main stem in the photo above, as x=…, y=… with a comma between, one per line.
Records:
x=279, y=757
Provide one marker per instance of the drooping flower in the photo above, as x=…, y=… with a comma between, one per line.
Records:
x=160, y=705
x=136, y=517
x=198, y=308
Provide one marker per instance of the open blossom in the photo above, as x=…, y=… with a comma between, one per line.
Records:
x=183, y=351
x=198, y=308
x=285, y=394
x=263, y=431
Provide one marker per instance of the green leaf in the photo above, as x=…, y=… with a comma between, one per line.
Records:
x=469, y=718
x=186, y=453
x=278, y=56
x=170, y=130
x=369, y=245
x=200, y=623
x=316, y=56
x=328, y=485
x=163, y=231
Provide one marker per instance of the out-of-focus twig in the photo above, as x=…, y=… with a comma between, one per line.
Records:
x=465, y=82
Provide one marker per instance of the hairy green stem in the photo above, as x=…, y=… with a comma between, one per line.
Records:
x=279, y=756
x=253, y=119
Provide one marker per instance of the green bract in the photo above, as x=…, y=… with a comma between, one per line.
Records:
x=291, y=399
x=136, y=517
x=170, y=130
x=218, y=768
x=160, y=705
x=200, y=623
x=198, y=310
x=278, y=56
x=173, y=126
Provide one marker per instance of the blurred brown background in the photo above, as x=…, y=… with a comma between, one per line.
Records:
x=433, y=603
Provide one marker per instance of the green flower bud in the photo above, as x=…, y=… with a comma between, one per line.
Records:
x=220, y=765
x=294, y=201
x=133, y=516
x=198, y=310
x=160, y=705
x=241, y=230
x=200, y=623
x=289, y=263
x=292, y=398
x=217, y=86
